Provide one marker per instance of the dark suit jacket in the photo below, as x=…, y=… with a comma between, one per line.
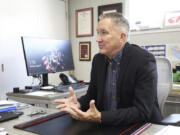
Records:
x=136, y=88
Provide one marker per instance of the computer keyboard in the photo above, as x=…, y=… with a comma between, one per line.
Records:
x=75, y=86
x=4, y=116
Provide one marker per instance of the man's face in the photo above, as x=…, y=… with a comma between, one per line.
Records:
x=109, y=40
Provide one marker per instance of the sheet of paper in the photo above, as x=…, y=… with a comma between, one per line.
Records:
x=40, y=93
x=7, y=102
x=47, y=87
x=169, y=130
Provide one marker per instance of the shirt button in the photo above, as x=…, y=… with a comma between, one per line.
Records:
x=114, y=71
x=118, y=63
x=113, y=84
x=113, y=97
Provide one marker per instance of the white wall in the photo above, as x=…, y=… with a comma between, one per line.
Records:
x=38, y=18
x=82, y=69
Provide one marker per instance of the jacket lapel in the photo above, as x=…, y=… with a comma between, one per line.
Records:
x=123, y=64
x=102, y=82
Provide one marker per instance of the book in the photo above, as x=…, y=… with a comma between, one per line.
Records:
x=7, y=108
x=142, y=129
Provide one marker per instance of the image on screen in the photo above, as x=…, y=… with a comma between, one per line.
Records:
x=44, y=56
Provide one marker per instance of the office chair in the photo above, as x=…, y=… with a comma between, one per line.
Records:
x=164, y=70
x=165, y=81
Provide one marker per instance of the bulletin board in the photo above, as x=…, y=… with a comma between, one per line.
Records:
x=159, y=51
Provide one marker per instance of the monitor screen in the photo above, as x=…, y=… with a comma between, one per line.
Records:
x=44, y=55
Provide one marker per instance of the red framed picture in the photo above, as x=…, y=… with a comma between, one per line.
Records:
x=85, y=51
x=84, y=22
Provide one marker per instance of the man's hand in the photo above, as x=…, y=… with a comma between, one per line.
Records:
x=72, y=106
x=91, y=115
x=65, y=104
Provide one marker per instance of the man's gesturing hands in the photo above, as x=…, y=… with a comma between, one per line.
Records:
x=65, y=104
x=72, y=106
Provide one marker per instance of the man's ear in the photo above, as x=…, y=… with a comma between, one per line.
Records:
x=123, y=37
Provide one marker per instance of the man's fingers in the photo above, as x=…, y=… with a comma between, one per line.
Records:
x=67, y=110
x=60, y=106
x=70, y=111
x=78, y=111
x=60, y=100
x=71, y=91
x=92, y=104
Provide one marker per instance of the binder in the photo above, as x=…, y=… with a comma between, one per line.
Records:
x=7, y=108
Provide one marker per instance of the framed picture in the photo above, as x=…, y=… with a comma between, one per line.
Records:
x=85, y=51
x=109, y=9
x=172, y=19
x=84, y=22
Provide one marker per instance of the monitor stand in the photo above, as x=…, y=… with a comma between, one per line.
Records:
x=45, y=80
x=45, y=85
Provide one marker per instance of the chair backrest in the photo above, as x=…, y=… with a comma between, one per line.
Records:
x=165, y=79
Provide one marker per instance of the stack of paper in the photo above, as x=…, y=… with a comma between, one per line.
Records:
x=169, y=130
x=41, y=93
x=7, y=106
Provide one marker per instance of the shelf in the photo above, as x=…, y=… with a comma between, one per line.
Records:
x=155, y=30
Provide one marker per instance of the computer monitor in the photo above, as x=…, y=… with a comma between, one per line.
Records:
x=43, y=56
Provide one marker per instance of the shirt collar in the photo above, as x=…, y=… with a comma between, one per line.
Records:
x=118, y=56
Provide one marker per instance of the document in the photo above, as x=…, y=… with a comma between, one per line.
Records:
x=7, y=102
x=169, y=130
x=41, y=93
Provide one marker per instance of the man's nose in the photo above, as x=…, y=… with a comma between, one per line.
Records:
x=98, y=38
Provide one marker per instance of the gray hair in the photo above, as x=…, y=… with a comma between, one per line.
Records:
x=121, y=23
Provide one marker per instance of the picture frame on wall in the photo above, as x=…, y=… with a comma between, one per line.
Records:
x=117, y=7
x=84, y=22
x=85, y=51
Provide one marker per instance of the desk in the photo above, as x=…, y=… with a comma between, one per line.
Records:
x=46, y=100
x=8, y=125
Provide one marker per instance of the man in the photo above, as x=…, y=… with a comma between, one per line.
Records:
x=123, y=85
